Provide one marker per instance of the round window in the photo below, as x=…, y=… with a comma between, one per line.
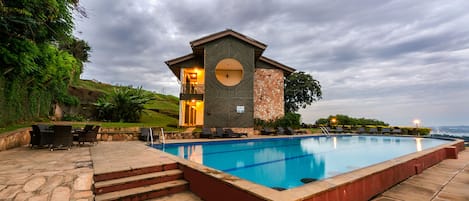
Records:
x=229, y=72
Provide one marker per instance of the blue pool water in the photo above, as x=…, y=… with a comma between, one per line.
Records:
x=283, y=162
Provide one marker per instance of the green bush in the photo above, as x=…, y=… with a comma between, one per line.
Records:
x=289, y=120
x=122, y=105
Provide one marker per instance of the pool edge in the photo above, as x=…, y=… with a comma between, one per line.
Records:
x=360, y=184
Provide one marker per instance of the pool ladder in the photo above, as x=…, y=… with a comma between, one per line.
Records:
x=150, y=137
x=324, y=130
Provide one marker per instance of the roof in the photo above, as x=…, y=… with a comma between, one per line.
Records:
x=227, y=32
x=172, y=63
x=274, y=63
x=198, y=45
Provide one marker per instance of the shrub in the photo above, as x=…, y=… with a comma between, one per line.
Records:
x=289, y=120
x=122, y=105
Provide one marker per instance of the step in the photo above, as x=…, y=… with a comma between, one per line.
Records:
x=107, y=186
x=134, y=172
x=146, y=192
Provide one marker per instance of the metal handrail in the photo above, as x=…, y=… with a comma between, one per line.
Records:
x=324, y=130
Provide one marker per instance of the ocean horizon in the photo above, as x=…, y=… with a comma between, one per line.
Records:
x=450, y=130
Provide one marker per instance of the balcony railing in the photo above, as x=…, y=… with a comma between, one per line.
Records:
x=189, y=88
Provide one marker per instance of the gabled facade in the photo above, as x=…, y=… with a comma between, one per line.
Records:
x=226, y=82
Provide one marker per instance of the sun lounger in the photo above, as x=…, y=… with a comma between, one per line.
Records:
x=267, y=131
x=373, y=131
x=396, y=131
x=206, y=133
x=385, y=131
x=280, y=131
x=290, y=131
x=339, y=129
x=361, y=130
x=230, y=133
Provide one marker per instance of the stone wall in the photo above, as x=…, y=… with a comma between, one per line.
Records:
x=21, y=136
x=14, y=139
x=268, y=94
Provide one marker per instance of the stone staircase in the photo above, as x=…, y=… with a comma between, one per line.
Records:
x=140, y=184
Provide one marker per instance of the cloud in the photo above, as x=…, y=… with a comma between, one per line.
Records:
x=389, y=60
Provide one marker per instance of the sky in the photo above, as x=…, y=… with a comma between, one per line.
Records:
x=394, y=61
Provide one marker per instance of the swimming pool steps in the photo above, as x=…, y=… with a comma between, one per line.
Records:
x=140, y=183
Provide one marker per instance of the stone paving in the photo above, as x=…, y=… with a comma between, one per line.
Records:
x=448, y=180
x=40, y=174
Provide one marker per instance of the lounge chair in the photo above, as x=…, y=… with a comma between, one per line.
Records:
x=230, y=133
x=385, y=131
x=63, y=137
x=373, y=130
x=361, y=130
x=290, y=131
x=219, y=132
x=339, y=129
x=206, y=133
x=267, y=131
x=90, y=136
x=396, y=131
x=280, y=131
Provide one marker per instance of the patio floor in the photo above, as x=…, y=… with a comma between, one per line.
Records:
x=39, y=174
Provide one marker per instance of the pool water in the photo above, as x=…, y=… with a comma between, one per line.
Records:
x=284, y=162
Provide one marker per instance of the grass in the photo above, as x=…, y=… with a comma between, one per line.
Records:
x=94, y=86
x=160, y=112
x=14, y=127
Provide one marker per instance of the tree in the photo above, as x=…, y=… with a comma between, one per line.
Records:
x=301, y=90
x=34, y=72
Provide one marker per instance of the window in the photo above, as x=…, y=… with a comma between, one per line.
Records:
x=229, y=72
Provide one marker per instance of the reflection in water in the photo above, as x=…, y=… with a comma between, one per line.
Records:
x=418, y=144
x=276, y=171
x=195, y=153
x=334, y=140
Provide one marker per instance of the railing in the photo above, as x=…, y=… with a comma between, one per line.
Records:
x=324, y=130
x=190, y=88
x=150, y=137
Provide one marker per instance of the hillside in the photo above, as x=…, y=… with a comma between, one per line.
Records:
x=162, y=111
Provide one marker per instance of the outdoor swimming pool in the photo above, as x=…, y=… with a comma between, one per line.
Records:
x=284, y=162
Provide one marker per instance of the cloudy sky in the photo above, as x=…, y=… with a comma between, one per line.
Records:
x=389, y=60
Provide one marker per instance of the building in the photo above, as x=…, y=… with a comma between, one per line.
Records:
x=226, y=82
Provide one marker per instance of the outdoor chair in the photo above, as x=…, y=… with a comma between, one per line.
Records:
x=361, y=130
x=230, y=133
x=290, y=131
x=280, y=131
x=385, y=131
x=219, y=132
x=35, y=136
x=90, y=136
x=63, y=137
x=373, y=131
x=396, y=131
x=144, y=134
x=206, y=133
x=339, y=129
x=267, y=131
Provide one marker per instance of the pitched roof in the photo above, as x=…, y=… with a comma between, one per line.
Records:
x=274, y=63
x=198, y=45
x=227, y=32
x=176, y=69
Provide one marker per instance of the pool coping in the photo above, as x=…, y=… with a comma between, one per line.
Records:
x=361, y=184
